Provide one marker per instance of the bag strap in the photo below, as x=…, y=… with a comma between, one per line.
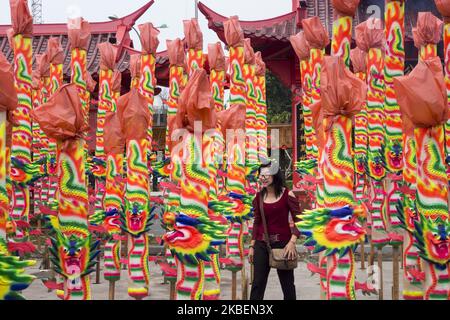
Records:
x=263, y=216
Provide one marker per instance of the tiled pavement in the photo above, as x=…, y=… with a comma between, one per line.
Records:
x=307, y=286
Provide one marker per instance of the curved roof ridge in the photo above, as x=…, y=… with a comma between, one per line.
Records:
x=212, y=15
x=96, y=27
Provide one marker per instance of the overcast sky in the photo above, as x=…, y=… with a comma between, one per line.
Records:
x=170, y=12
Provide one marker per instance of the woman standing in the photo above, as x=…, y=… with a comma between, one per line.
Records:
x=278, y=202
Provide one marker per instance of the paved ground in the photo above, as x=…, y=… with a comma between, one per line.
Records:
x=307, y=286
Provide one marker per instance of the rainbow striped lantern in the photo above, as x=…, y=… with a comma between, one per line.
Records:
x=134, y=117
x=73, y=251
x=335, y=228
x=176, y=78
x=394, y=63
x=56, y=57
x=432, y=227
x=191, y=234
x=20, y=36
x=407, y=211
x=79, y=38
x=359, y=59
x=50, y=185
x=176, y=54
x=252, y=161
x=112, y=203
x=369, y=38
x=149, y=42
x=261, y=106
x=443, y=7
x=216, y=59
x=41, y=91
x=240, y=203
x=108, y=55
x=317, y=37
x=308, y=166
x=12, y=272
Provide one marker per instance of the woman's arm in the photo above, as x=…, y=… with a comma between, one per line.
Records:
x=294, y=208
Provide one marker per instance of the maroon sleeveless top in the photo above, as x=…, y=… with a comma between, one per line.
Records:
x=277, y=217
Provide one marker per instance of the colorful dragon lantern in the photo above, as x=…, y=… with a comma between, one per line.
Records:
x=358, y=58
x=251, y=153
x=191, y=234
x=317, y=37
x=305, y=167
x=394, y=63
x=108, y=55
x=150, y=43
x=20, y=37
x=216, y=59
x=369, y=38
x=12, y=277
x=261, y=106
x=112, y=202
x=422, y=98
x=443, y=7
x=171, y=166
x=79, y=38
x=237, y=199
x=413, y=284
x=56, y=58
x=62, y=118
x=134, y=117
x=41, y=86
x=335, y=228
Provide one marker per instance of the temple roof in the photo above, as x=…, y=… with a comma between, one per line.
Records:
x=277, y=29
x=115, y=31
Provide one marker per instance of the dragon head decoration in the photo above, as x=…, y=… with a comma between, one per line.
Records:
x=433, y=239
x=332, y=231
x=376, y=166
x=393, y=153
x=235, y=207
x=192, y=239
x=407, y=213
x=96, y=167
x=51, y=164
x=360, y=164
x=26, y=174
x=109, y=220
x=162, y=168
x=12, y=274
x=136, y=218
x=73, y=256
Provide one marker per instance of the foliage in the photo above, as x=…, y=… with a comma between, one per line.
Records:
x=279, y=102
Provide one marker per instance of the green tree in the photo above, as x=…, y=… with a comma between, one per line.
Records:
x=279, y=102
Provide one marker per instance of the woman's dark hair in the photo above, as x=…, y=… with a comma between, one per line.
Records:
x=278, y=181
